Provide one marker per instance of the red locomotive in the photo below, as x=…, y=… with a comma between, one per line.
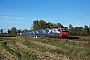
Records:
x=60, y=32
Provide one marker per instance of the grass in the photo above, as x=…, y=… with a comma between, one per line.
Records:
x=12, y=49
x=36, y=47
x=25, y=55
x=6, y=39
x=13, y=52
x=74, y=50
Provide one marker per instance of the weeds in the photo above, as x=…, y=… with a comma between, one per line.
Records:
x=74, y=51
x=15, y=53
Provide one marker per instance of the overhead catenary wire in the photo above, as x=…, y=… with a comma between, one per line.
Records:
x=79, y=13
x=79, y=17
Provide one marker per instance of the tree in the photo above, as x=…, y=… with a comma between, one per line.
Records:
x=89, y=30
x=71, y=30
x=36, y=25
x=86, y=29
x=70, y=26
x=78, y=31
x=39, y=24
x=9, y=31
x=59, y=24
x=42, y=24
x=50, y=25
x=13, y=31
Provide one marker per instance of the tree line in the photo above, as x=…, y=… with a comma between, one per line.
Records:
x=39, y=24
x=10, y=33
x=73, y=31
x=79, y=31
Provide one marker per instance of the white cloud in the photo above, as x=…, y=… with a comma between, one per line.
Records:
x=5, y=17
x=18, y=17
x=33, y=18
x=11, y=18
x=9, y=22
x=11, y=13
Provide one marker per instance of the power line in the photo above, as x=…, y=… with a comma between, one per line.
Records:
x=83, y=16
x=80, y=16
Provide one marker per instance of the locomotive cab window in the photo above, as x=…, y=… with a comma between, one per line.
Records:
x=64, y=29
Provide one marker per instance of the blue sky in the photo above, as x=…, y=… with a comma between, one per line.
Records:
x=22, y=13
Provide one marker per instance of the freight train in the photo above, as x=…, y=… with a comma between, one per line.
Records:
x=56, y=32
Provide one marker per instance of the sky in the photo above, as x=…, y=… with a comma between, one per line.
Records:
x=22, y=13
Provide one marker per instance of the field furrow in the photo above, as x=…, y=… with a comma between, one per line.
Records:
x=42, y=55
x=28, y=48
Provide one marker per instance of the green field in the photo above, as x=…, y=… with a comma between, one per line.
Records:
x=28, y=48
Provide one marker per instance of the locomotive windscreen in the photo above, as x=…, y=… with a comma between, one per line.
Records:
x=64, y=29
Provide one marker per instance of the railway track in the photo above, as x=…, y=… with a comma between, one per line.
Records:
x=75, y=40
x=70, y=38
